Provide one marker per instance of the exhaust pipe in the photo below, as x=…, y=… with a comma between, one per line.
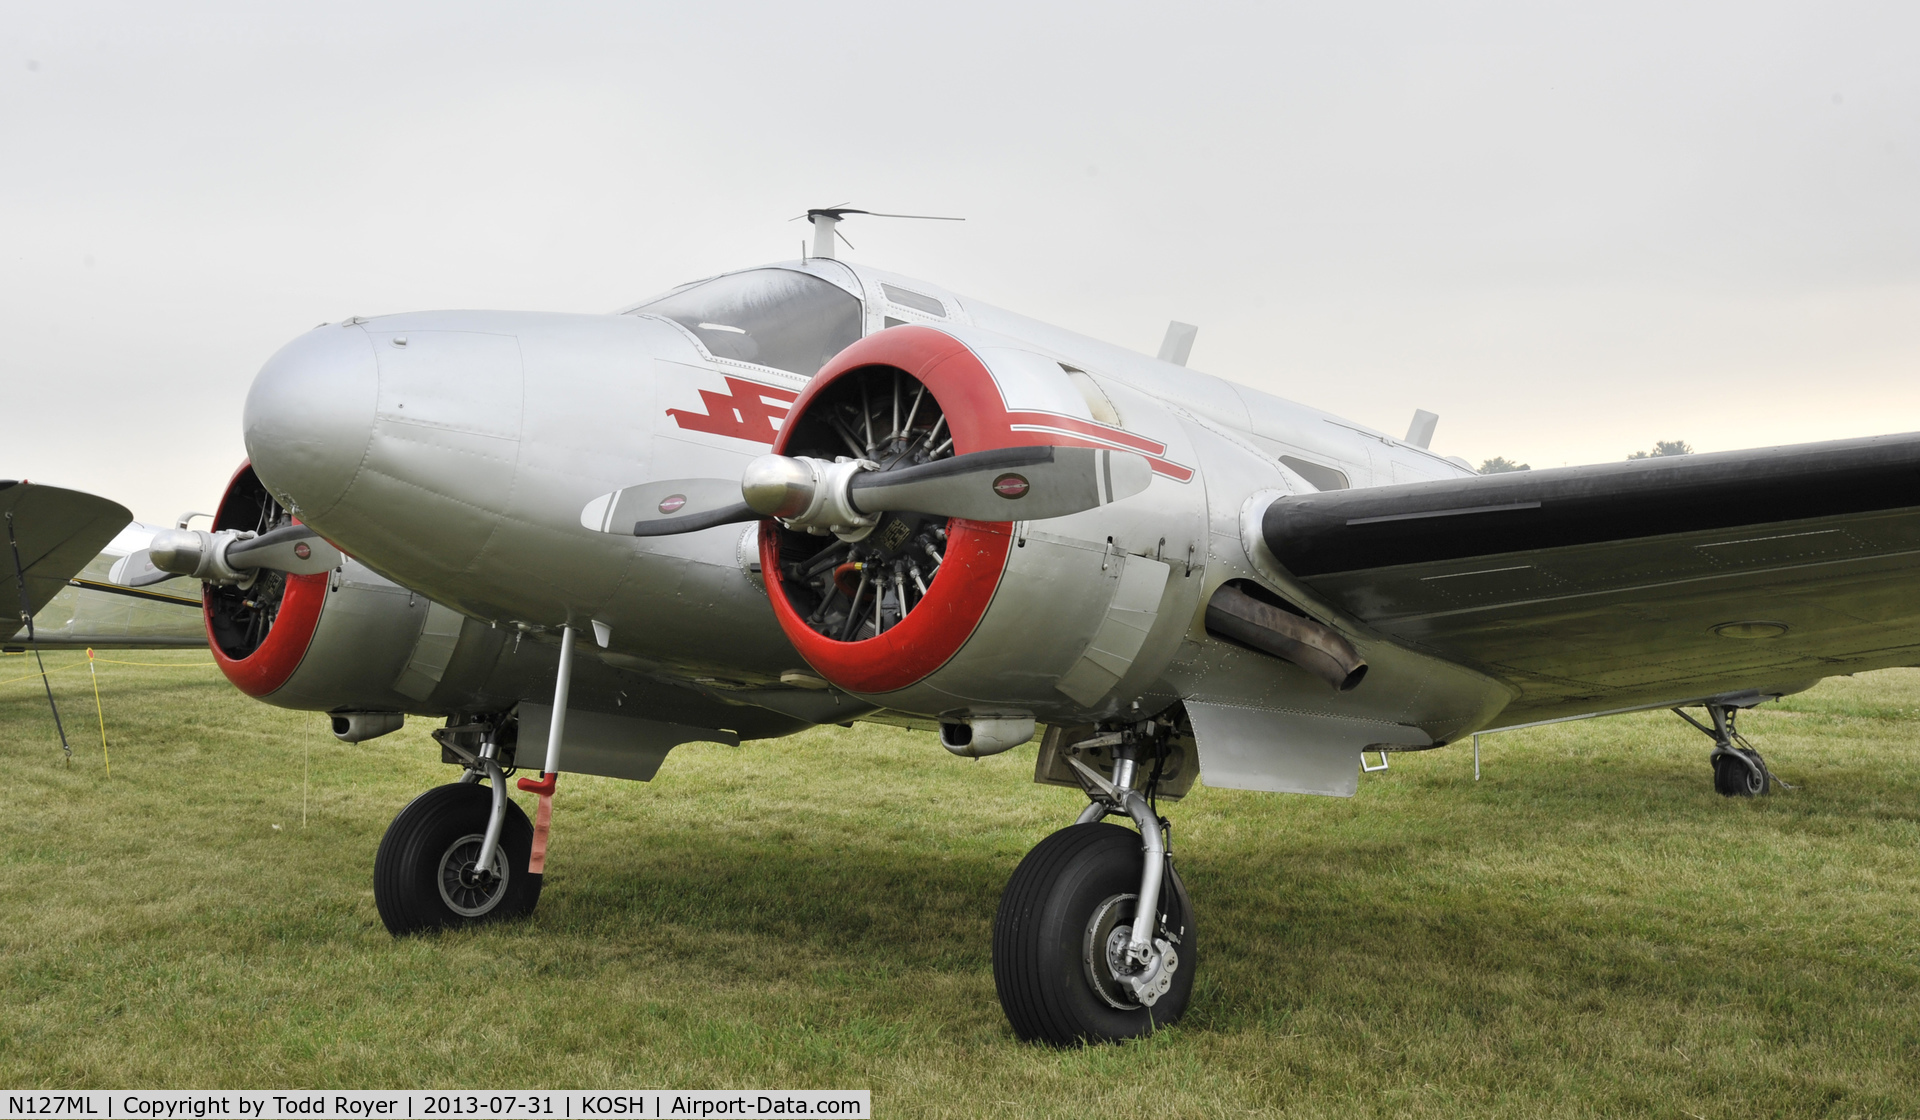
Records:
x=985, y=735
x=358, y=727
x=1232, y=613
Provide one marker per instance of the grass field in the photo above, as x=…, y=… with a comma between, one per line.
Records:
x=1589, y=931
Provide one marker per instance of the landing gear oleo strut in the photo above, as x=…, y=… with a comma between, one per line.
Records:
x=1094, y=940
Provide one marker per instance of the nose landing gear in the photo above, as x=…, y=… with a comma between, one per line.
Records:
x=1094, y=939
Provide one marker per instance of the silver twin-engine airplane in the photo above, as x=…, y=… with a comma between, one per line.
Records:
x=814, y=493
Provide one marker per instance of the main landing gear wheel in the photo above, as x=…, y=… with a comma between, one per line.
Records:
x=1740, y=772
x=1060, y=940
x=425, y=878
x=1738, y=769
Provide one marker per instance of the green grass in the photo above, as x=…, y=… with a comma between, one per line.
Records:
x=1589, y=931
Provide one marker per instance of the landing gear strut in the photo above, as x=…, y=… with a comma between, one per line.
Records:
x=1094, y=940
x=1738, y=769
x=458, y=854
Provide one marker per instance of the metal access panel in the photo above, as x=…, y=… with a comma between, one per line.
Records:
x=607, y=745
x=1130, y=617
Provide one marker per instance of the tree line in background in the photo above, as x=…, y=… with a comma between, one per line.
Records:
x=1500, y=464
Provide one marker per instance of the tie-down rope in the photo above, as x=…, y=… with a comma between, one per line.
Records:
x=26, y=616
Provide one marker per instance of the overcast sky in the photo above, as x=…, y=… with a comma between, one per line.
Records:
x=1571, y=230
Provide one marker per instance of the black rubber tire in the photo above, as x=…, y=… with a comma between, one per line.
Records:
x=407, y=869
x=1734, y=778
x=1040, y=930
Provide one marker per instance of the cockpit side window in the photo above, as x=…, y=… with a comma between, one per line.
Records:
x=770, y=316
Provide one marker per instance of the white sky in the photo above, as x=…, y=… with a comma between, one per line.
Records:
x=1571, y=230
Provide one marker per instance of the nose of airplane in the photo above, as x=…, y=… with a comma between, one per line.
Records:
x=310, y=414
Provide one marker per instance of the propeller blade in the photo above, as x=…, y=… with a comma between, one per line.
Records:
x=295, y=549
x=694, y=522
x=136, y=569
x=1006, y=484
x=661, y=509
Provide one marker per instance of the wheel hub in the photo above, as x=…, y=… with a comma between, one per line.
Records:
x=468, y=889
x=1121, y=981
x=1741, y=770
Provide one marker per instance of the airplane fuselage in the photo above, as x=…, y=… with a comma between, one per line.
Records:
x=452, y=452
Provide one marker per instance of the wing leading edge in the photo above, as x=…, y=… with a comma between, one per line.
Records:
x=1600, y=587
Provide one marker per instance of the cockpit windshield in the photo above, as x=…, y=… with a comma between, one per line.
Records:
x=770, y=316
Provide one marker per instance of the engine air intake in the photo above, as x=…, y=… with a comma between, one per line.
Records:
x=879, y=605
x=866, y=579
x=260, y=629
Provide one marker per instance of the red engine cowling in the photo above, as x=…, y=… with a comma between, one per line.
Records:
x=348, y=640
x=260, y=633
x=896, y=613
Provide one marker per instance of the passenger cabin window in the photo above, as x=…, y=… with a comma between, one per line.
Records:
x=1322, y=478
x=926, y=305
x=770, y=316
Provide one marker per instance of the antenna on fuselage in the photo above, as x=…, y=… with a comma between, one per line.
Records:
x=826, y=221
x=1177, y=347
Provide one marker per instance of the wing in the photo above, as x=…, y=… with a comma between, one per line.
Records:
x=1659, y=580
x=63, y=541
x=50, y=534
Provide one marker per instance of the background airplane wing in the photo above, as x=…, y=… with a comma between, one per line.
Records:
x=51, y=534
x=63, y=540
x=1601, y=587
